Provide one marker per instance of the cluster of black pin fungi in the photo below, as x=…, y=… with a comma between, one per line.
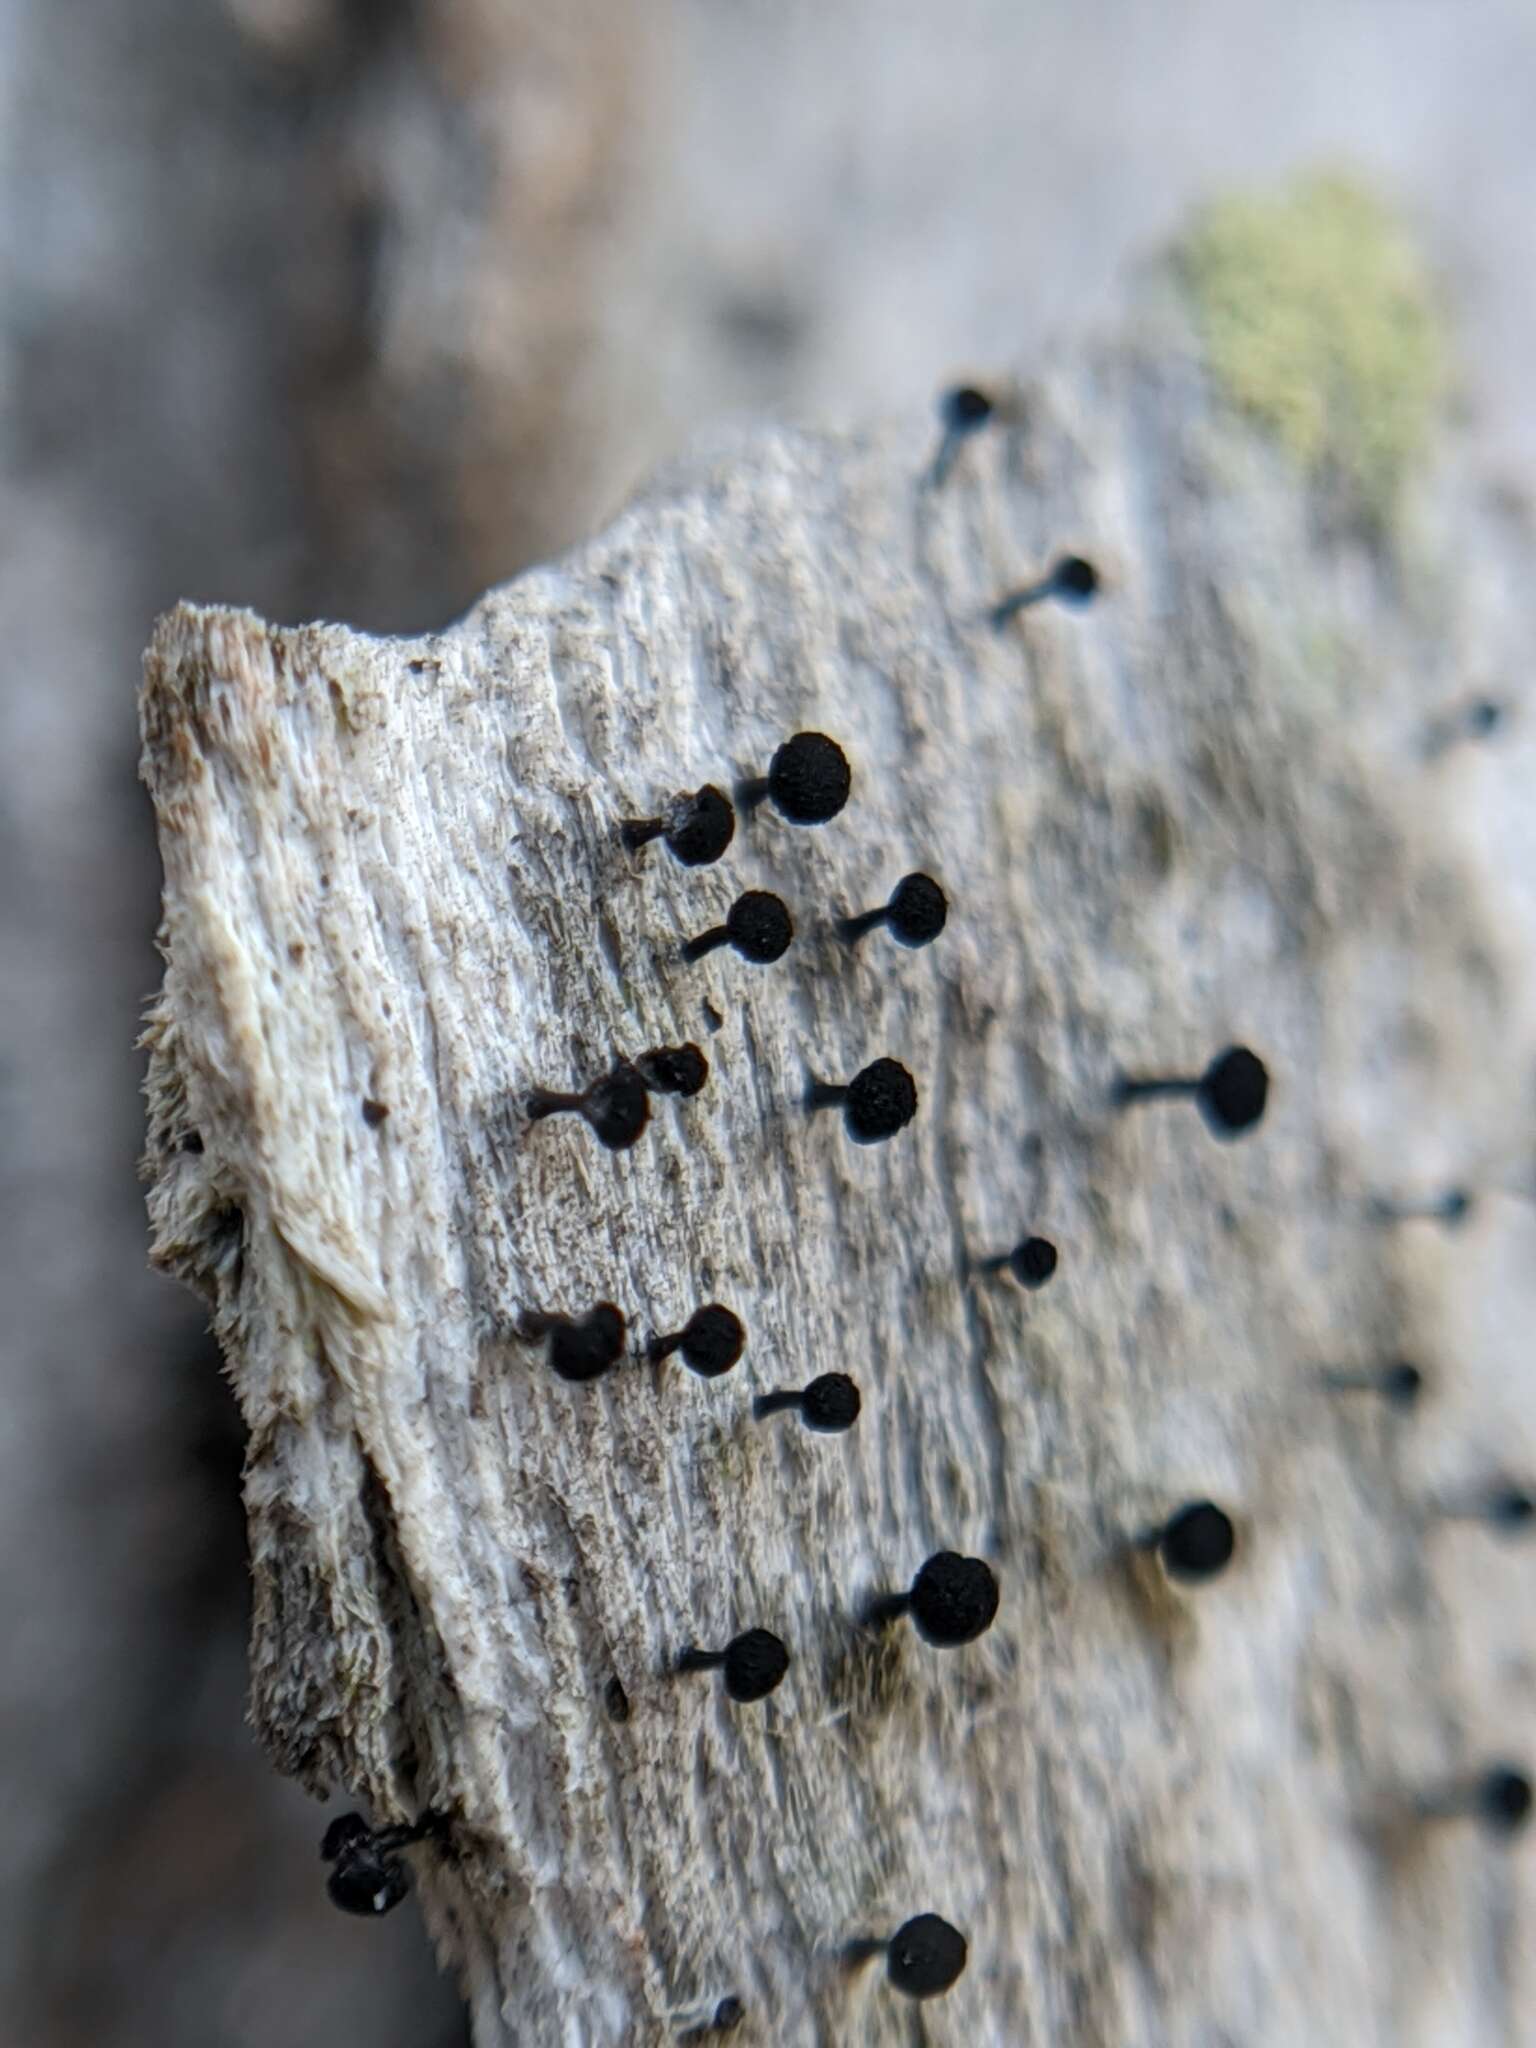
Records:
x=952, y=1599
x=808, y=781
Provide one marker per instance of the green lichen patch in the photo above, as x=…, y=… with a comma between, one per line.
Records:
x=1320, y=324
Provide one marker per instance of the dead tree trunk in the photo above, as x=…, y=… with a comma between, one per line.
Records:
x=1197, y=810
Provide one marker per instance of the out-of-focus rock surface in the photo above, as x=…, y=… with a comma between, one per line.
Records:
x=351, y=309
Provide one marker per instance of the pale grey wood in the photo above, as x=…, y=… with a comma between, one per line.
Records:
x=1198, y=811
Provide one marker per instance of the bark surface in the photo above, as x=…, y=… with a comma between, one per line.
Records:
x=1202, y=809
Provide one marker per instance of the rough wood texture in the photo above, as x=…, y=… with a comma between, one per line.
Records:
x=1198, y=811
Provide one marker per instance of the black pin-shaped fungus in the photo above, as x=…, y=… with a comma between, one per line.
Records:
x=1507, y=1510
x=758, y=925
x=1196, y=1542
x=963, y=411
x=1231, y=1094
x=366, y=1876
x=1072, y=581
x=710, y=1342
x=580, y=1347
x=879, y=1101
x=808, y=780
x=751, y=1664
x=616, y=1106
x=1399, y=1384
x=829, y=1405
x=925, y=1956
x=1504, y=1799
x=1451, y=1208
x=952, y=1601
x=1478, y=719
x=1031, y=1262
x=915, y=915
x=673, y=1069
x=697, y=827
x=1497, y=1798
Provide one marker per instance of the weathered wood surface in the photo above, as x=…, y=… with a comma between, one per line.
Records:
x=1198, y=811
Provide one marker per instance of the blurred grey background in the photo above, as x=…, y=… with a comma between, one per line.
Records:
x=346, y=308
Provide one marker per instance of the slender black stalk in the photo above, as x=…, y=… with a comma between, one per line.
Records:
x=544, y=1102
x=776, y=1404
x=1453, y=1207
x=1128, y=1090
x=700, y=1660
x=852, y=929
x=826, y=1094
x=1400, y=1383
x=638, y=832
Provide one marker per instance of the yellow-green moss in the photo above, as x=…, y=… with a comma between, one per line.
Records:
x=1320, y=324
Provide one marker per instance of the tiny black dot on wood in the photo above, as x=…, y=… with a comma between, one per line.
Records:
x=1076, y=577
x=374, y=1113
x=1503, y=1798
x=1197, y=1542
x=616, y=1700
x=965, y=406
x=925, y=1956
